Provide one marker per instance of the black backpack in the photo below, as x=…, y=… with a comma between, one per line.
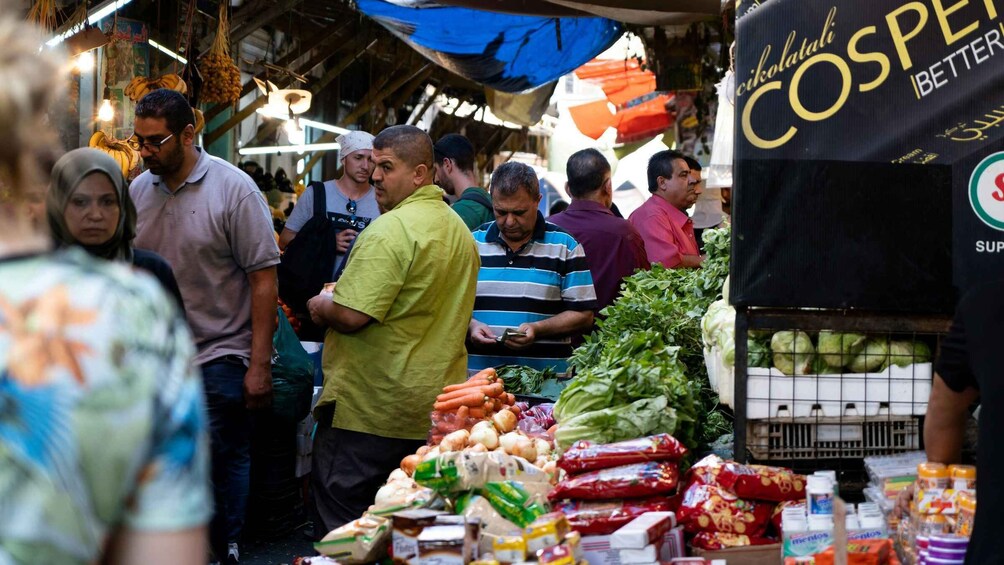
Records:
x=308, y=263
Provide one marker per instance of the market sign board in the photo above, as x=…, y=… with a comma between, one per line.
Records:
x=869, y=152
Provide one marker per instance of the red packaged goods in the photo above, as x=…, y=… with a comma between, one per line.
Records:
x=756, y=482
x=585, y=456
x=629, y=481
x=715, y=541
x=600, y=518
x=708, y=508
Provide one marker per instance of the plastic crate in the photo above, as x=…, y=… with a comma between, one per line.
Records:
x=831, y=438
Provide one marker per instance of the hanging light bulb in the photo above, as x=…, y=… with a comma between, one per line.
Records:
x=106, y=113
x=294, y=133
x=85, y=62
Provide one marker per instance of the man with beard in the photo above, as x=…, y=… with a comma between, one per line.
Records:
x=350, y=200
x=398, y=316
x=662, y=220
x=211, y=223
x=455, y=161
x=534, y=281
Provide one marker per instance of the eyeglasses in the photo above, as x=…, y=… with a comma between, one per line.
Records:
x=137, y=143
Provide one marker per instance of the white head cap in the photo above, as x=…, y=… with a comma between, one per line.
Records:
x=354, y=141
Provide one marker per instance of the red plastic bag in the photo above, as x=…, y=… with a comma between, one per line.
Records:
x=715, y=541
x=628, y=481
x=753, y=482
x=600, y=518
x=584, y=456
x=709, y=508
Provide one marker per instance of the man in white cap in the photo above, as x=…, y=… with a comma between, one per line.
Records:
x=350, y=200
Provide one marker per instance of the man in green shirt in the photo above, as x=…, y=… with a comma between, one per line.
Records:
x=455, y=173
x=398, y=319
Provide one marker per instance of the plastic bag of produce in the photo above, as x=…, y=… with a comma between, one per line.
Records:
x=906, y=353
x=715, y=541
x=710, y=508
x=628, y=481
x=872, y=357
x=360, y=541
x=585, y=456
x=793, y=352
x=536, y=420
x=603, y=517
x=458, y=471
x=837, y=349
x=292, y=374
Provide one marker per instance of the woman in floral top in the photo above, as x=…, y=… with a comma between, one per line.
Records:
x=103, y=446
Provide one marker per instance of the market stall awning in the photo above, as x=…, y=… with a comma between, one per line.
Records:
x=507, y=52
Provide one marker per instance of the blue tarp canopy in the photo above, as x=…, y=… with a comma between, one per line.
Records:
x=507, y=52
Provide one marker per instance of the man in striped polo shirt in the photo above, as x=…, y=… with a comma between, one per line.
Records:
x=534, y=281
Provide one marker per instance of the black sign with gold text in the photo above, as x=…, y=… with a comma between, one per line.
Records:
x=869, y=152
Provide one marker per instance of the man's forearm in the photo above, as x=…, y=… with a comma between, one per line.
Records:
x=341, y=319
x=692, y=261
x=945, y=424
x=264, y=301
x=565, y=323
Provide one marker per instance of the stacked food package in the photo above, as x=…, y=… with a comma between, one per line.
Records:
x=942, y=513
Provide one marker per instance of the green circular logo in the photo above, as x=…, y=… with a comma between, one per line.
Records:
x=986, y=191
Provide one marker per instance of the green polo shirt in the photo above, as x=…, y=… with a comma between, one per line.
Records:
x=472, y=212
x=413, y=270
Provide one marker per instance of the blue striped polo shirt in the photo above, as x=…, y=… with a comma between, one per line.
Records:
x=546, y=277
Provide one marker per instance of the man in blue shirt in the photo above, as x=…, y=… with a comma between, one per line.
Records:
x=534, y=281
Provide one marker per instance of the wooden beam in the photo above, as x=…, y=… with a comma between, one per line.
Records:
x=306, y=46
x=428, y=102
x=275, y=9
x=330, y=75
x=364, y=106
x=403, y=95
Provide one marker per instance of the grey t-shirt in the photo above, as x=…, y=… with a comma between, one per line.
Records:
x=339, y=211
x=213, y=230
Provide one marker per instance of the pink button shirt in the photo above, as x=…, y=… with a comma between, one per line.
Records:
x=667, y=231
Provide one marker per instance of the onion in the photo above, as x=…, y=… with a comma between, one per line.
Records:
x=478, y=448
x=540, y=462
x=409, y=463
x=398, y=475
x=504, y=420
x=508, y=441
x=423, y=450
x=543, y=447
x=431, y=454
x=524, y=448
x=551, y=468
x=483, y=433
x=455, y=441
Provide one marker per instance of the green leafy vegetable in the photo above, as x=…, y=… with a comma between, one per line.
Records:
x=837, y=349
x=872, y=358
x=906, y=353
x=638, y=419
x=523, y=380
x=793, y=352
x=758, y=353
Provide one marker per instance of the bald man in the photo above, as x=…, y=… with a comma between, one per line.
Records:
x=399, y=314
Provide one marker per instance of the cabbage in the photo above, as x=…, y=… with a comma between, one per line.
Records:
x=872, y=358
x=758, y=354
x=718, y=321
x=837, y=349
x=793, y=352
x=906, y=353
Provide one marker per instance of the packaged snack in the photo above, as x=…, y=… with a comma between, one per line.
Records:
x=509, y=549
x=629, y=481
x=600, y=518
x=932, y=476
x=647, y=529
x=556, y=555
x=472, y=526
x=777, y=518
x=718, y=540
x=406, y=527
x=360, y=541
x=709, y=508
x=963, y=477
x=545, y=531
x=585, y=456
x=513, y=502
x=647, y=554
x=754, y=482
x=574, y=542
x=444, y=545
x=861, y=552
x=966, y=515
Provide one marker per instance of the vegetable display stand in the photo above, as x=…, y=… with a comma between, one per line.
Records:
x=840, y=385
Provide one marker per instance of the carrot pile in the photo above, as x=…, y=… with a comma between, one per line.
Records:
x=463, y=405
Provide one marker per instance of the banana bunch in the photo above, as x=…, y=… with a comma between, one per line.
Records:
x=126, y=157
x=141, y=86
x=200, y=120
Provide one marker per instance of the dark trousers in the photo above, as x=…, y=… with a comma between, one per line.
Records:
x=347, y=470
x=230, y=436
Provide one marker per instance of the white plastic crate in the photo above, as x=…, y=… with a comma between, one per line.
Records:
x=900, y=391
x=831, y=438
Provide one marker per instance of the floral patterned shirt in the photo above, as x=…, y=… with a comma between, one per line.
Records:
x=102, y=420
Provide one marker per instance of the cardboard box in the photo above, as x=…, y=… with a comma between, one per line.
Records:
x=405, y=529
x=596, y=550
x=753, y=555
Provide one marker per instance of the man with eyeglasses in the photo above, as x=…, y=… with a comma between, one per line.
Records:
x=662, y=220
x=211, y=223
x=350, y=200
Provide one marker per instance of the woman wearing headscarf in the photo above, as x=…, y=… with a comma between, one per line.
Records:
x=89, y=205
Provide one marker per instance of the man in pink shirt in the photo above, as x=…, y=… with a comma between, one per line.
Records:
x=662, y=221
